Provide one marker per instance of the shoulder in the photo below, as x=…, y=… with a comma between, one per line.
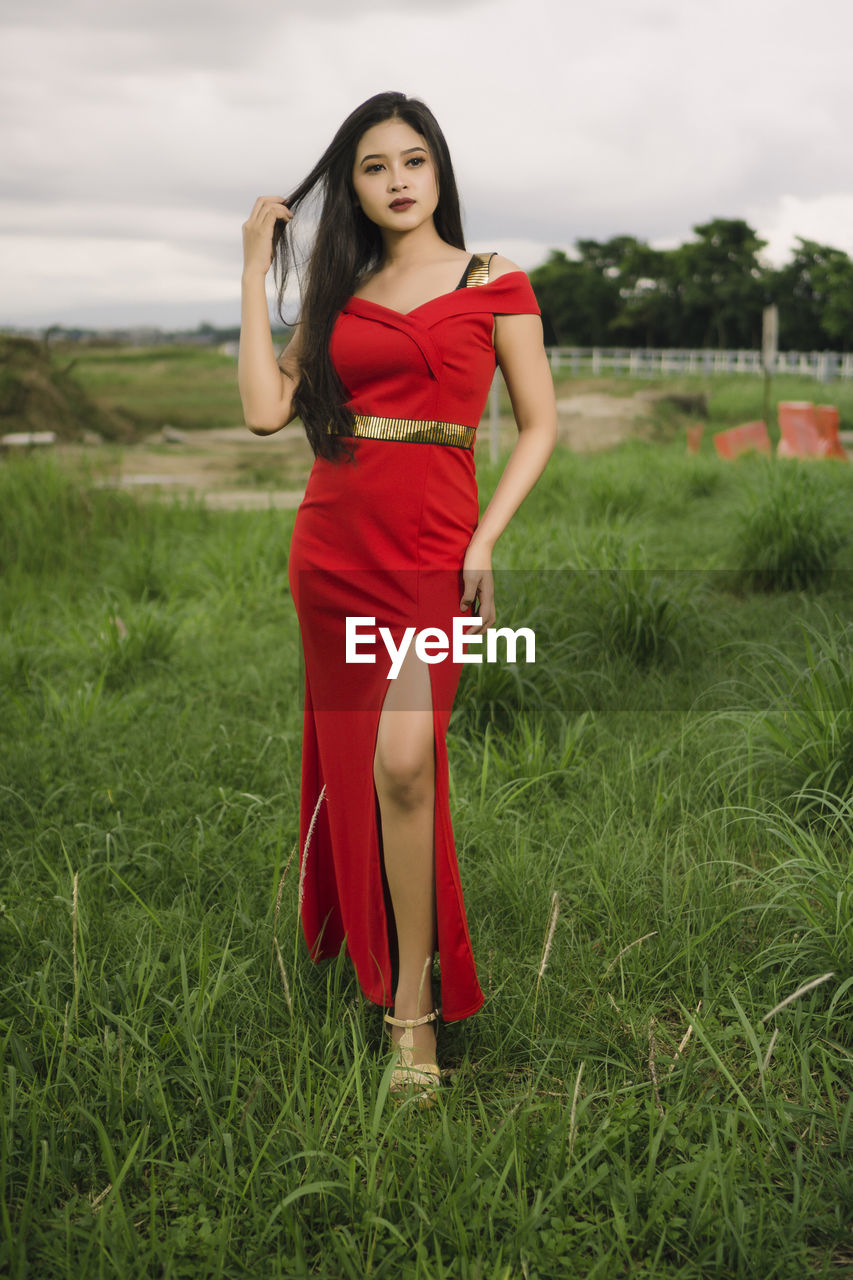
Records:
x=502, y=287
x=501, y=266
x=512, y=293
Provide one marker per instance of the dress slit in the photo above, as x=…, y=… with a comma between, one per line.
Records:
x=390, y=919
x=334, y=845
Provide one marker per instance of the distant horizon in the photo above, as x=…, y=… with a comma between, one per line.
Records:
x=156, y=315
x=225, y=312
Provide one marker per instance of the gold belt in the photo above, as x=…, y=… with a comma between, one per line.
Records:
x=414, y=431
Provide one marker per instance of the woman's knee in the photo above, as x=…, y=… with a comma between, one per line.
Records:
x=404, y=776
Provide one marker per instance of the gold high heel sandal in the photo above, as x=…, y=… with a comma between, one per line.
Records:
x=407, y=1075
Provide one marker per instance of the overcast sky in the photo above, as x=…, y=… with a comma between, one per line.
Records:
x=136, y=137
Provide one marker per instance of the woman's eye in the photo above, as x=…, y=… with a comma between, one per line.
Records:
x=417, y=161
x=373, y=168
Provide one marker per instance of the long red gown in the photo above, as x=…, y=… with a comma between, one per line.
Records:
x=384, y=537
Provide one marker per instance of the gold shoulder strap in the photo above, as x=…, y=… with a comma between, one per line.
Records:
x=478, y=271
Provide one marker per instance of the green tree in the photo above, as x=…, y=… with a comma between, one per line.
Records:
x=556, y=286
x=837, y=315
x=723, y=285
x=651, y=296
x=707, y=292
x=602, y=264
x=797, y=292
x=582, y=296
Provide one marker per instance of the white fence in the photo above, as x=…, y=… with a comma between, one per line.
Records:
x=824, y=366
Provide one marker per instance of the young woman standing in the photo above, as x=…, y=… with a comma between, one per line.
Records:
x=390, y=370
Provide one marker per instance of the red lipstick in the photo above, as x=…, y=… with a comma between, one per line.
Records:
x=403, y=203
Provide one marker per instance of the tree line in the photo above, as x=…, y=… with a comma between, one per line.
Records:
x=708, y=292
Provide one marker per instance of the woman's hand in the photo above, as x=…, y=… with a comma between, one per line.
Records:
x=258, y=232
x=479, y=583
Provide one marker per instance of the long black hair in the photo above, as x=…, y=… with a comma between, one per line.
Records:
x=347, y=245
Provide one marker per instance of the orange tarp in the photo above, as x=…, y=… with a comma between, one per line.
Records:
x=807, y=432
x=737, y=440
x=828, y=427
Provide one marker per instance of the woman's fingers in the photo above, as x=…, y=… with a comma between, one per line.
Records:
x=470, y=581
x=259, y=229
x=276, y=205
x=266, y=211
x=277, y=201
x=268, y=207
x=480, y=586
x=487, y=602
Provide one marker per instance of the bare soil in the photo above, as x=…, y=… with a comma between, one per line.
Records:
x=229, y=467
x=589, y=422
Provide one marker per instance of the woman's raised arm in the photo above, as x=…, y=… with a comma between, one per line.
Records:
x=266, y=387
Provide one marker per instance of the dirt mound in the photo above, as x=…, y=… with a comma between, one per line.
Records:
x=39, y=394
x=590, y=422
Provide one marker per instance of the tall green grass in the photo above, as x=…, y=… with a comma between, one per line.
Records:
x=796, y=747
x=790, y=531
x=659, y=1082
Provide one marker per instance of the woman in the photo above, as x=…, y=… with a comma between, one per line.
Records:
x=389, y=370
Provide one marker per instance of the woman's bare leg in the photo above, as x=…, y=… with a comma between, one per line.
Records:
x=404, y=773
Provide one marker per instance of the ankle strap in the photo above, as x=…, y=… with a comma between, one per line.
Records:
x=412, y=1022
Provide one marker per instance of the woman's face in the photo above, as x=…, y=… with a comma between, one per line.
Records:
x=394, y=176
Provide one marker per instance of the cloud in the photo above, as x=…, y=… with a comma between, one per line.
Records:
x=101, y=266
x=161, y=124
x=205, y=35
x=826, y=219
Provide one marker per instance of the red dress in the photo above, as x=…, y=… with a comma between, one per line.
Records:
x=383, y=538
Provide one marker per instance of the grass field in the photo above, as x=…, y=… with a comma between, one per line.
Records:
x=654, y=830
x=186, y=387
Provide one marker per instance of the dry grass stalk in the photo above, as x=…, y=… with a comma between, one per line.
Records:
x=284, y=981
x=572, y=1124
x=96, y=1202
x=281, y=886
x=795, y=995
x=653, y=1049
x=549, y=938
x=307, y=843
x=635, y=943
x=74, y=938
x=684, y=1039
x=770, y=1049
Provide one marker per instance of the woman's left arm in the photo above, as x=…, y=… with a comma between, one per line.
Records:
x=521, y=355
